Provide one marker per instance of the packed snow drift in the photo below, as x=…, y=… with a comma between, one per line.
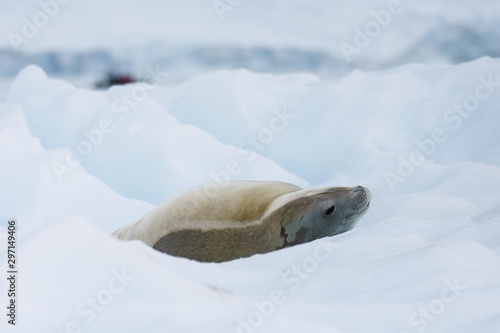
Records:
x=78, y=164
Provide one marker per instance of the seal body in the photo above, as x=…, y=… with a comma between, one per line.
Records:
x=220, y=222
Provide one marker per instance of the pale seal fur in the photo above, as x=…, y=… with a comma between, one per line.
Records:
x=241, y=218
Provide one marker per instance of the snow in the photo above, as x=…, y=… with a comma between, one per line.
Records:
x=265, y=36
x=413, y=116
x=425, y=258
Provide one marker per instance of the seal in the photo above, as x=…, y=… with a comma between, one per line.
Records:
x=219, y=222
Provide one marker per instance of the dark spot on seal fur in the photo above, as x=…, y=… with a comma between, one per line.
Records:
x=284, y=235
x=299, y=237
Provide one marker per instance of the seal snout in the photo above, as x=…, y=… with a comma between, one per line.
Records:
x=361, y=198
x=361, y=192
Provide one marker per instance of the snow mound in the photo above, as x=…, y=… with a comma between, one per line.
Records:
x=99, y=284
x=77, y=164
x=105, y=131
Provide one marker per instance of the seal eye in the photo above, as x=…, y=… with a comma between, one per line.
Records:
x=329, y=211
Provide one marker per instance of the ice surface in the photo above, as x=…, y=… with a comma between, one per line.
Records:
x=76, y=164
x=266, y=36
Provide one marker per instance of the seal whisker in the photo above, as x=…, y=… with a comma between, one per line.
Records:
x=377, y=195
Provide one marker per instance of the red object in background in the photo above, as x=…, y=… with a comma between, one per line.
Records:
x=112, y=79
x=122, y=79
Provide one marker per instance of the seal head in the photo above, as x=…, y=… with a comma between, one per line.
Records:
x=314, y=214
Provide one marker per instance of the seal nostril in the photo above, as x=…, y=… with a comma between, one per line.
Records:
x=359, y=192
